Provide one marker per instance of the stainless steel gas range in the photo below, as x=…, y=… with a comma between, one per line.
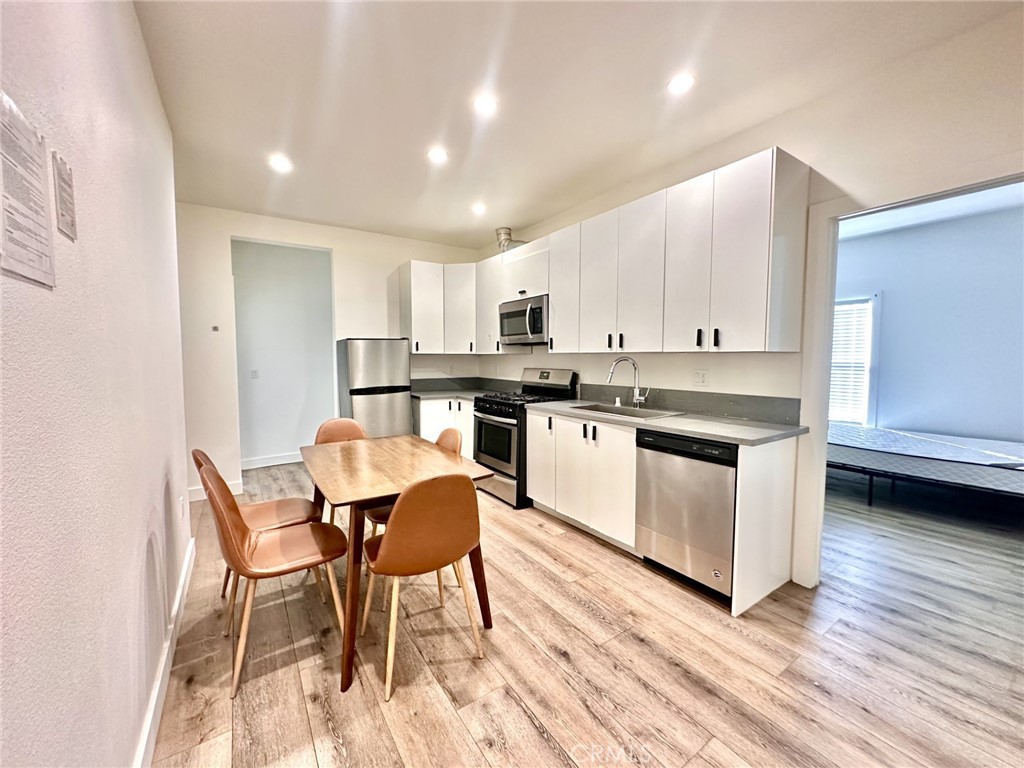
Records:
x=500, y=429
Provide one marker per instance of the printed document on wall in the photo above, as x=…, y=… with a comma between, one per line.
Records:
x=26, y=245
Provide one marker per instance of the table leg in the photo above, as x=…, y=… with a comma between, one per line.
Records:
x=318, y=500
x=476, y=561
x=355, y=557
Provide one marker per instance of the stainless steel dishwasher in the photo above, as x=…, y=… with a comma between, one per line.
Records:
x=686, y=505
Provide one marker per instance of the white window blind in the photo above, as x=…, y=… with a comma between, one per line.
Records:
x=849, y=395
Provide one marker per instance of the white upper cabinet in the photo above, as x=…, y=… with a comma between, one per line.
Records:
x=758, y=239
x=525, y=271
x=459, y=308
x=599, y=253
x=688, y=265
x=421, y=306
x=641, y=275
x=564, y=290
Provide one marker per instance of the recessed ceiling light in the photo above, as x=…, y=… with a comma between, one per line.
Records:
x=479, y=208
x=485, y=105
x=437, y=155
x=681, y=83
x=280, y=163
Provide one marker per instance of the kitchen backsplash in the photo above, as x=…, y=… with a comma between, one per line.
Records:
x=774, y=410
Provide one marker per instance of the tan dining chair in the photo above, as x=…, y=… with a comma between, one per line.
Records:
x=266, y=554
x=451, y=440
x=337, y=431
x=434, y=523
x=265, y=515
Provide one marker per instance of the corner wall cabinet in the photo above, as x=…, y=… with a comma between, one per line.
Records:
x=421, y=306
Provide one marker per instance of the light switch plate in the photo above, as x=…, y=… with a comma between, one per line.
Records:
x=701, y=377
x=254, y=374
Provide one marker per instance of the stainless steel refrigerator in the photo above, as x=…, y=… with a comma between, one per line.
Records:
x=373, y=385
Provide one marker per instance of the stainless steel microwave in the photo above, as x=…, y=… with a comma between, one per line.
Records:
x=524, y=321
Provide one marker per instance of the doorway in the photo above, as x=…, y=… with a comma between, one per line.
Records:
x=285, y=348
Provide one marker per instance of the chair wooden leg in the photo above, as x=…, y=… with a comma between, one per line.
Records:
x=250, y=592
x=366, y=604
x=392, y=633
x=224, y=585
x=458, y=577
x=229, y=625
x=440, y=589
x=469, y=610
x=319, y=583
x=373, y=532
x=384, y=597
x=332, y=579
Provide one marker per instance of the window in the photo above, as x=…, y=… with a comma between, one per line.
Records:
x=852, y=336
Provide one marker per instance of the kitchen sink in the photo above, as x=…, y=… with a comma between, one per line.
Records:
x=641, y=414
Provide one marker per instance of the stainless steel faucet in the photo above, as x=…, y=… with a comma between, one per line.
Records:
x=638, y=398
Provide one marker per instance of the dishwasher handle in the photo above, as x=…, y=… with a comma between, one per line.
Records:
x=725, y=454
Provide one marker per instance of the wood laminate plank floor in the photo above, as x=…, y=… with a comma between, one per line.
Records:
x=910, y=652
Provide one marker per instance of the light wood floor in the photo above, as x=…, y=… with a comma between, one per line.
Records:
x=909, y=653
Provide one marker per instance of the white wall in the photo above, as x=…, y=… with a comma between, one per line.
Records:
x=93, y=430
x=285, y=333
x=951, y=331
x=365, y=304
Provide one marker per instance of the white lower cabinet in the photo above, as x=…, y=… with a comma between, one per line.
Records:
x=435, y=416
x=613, y=482
x=540, y=459
x=594, y=473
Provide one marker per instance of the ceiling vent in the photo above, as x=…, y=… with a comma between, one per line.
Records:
x=505, y=240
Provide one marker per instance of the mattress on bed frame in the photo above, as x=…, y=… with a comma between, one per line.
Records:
x=994, y=465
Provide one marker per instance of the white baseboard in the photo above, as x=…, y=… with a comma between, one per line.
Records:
x=271, y=461
x=151, y=722
x=198, y=494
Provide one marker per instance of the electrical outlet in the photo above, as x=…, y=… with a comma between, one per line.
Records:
x=254, y=374
x=701, y=377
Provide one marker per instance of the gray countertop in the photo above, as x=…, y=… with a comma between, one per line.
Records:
x=735, y=431
x=447, y=394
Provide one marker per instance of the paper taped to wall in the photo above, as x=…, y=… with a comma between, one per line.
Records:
x=64, y=198
x=26, y=245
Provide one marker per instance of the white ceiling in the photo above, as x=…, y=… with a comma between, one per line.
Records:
x=970, y=204
x=356, y=93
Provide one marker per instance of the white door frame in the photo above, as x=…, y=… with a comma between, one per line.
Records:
x=819, y=298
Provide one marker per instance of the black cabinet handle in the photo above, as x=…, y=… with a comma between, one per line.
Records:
x=551, y=343
x=497, y=346
x=609, y=341
x=471, y=346
x=621, y=341
x=584, y=431
x=458, y=405
x=700, y=337
x=714, y=337
x=593, y=432
x=549, y=423
x=417, y=346
x=449, y=405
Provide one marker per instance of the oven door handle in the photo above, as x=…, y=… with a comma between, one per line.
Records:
x=495, y=419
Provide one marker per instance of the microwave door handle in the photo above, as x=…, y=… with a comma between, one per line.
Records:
x=529, y=320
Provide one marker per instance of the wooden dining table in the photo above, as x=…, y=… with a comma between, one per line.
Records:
x=368, y=473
